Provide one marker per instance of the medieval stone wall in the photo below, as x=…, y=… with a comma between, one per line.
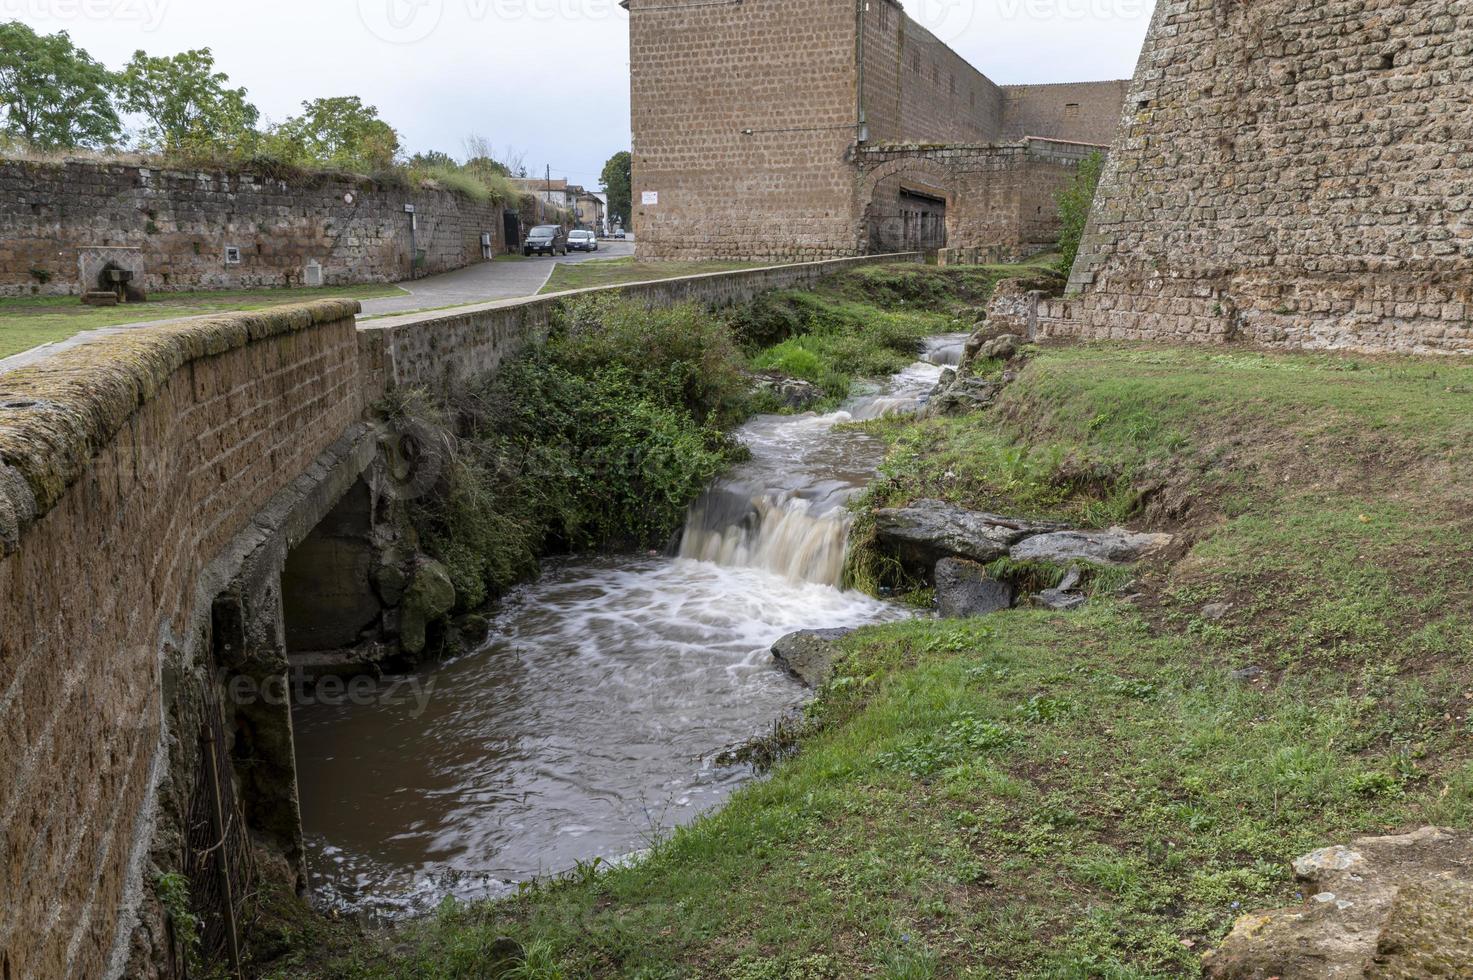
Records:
x=918, y=90
x=998, y=196
x=704, y=75
x=1294, y=174
x=746, y=121
x=1079, y=112
x=183, y=221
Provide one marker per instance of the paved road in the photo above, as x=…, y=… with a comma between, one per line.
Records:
x=479, y=283
x=487, y=281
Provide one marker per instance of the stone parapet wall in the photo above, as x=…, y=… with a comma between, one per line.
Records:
x=1290, y=174
x=431, y=350
x=356, y=229
x=126, y=466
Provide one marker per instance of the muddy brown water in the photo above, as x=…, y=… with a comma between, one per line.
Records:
x=588, y=724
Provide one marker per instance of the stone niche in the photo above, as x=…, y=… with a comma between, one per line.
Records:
x=94, y=260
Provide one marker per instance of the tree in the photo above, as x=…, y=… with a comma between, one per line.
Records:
x=618, y=181
x=1075, y=201
x=340, y=132
x=54, y=96
x=433, y=160
x=187, y=103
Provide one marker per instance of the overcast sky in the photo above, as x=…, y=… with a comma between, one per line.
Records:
x=549, y=77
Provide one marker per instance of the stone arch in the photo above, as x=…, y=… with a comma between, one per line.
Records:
x=906, y=203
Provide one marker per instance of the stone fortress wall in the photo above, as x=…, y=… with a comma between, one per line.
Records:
x=356, y=229
x=1291, y=174
x=748, y=142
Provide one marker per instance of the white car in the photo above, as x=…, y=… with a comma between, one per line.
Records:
x=582, y=241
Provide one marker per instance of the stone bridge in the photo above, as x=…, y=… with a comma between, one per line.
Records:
x=154, y=486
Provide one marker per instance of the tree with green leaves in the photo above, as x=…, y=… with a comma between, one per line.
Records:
x=1075, y=201
x=618, y=181
x=188, y=105
x=53, y=94
x=340, y=132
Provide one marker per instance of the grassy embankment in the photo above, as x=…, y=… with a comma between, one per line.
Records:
x=30, y=321
x=1085, y=795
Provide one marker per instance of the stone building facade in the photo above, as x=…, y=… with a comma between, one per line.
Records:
x=1290, y=173
x=759, y=124
x=219, y=230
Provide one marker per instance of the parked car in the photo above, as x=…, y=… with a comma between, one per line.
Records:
x=545, y=240
x=619, y=233
x=582, y=241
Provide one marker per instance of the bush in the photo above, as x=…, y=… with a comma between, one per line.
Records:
x=1075, y=201
x=598, y=440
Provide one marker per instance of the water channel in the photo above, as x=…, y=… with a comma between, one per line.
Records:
x=589, y=722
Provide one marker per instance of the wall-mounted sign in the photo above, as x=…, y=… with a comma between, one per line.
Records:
x=409, y=209
x=650, y=197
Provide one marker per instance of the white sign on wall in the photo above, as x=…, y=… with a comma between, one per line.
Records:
x=650, y=197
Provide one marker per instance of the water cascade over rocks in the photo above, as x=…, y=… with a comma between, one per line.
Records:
x=786, y=510
x=591, y=719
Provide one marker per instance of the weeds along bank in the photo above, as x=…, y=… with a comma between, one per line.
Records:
x=1098, y=794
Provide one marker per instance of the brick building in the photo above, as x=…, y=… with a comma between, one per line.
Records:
x=804, y=129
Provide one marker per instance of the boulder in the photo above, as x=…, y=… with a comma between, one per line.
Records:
x=809, y=655
x=962, y=397
x=930, y=530
x=1116, y=546
x=1383, y=907
x=1059, y=600
x=964, y=589
x=794, y=393
x=1003, y=348
x=429, y=597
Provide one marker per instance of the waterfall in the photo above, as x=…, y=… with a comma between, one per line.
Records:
x=786, y=510
x=800, y=539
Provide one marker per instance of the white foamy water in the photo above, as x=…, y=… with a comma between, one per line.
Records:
x=590, y=722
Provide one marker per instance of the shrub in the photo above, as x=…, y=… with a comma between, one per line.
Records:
x=1074, y=202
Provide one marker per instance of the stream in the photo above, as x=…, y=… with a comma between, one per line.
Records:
x=588, y=724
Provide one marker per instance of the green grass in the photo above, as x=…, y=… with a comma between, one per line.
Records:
x=29, y=321
x=1086, y=795
x=617, y=272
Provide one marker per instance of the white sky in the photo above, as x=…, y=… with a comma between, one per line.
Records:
x=549, y=77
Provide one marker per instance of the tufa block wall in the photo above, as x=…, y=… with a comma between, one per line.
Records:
x=183, y=221
x=700, y=75
x=1293, y=174
x=1080, y=112
x=125, y=466
x=999, y=195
